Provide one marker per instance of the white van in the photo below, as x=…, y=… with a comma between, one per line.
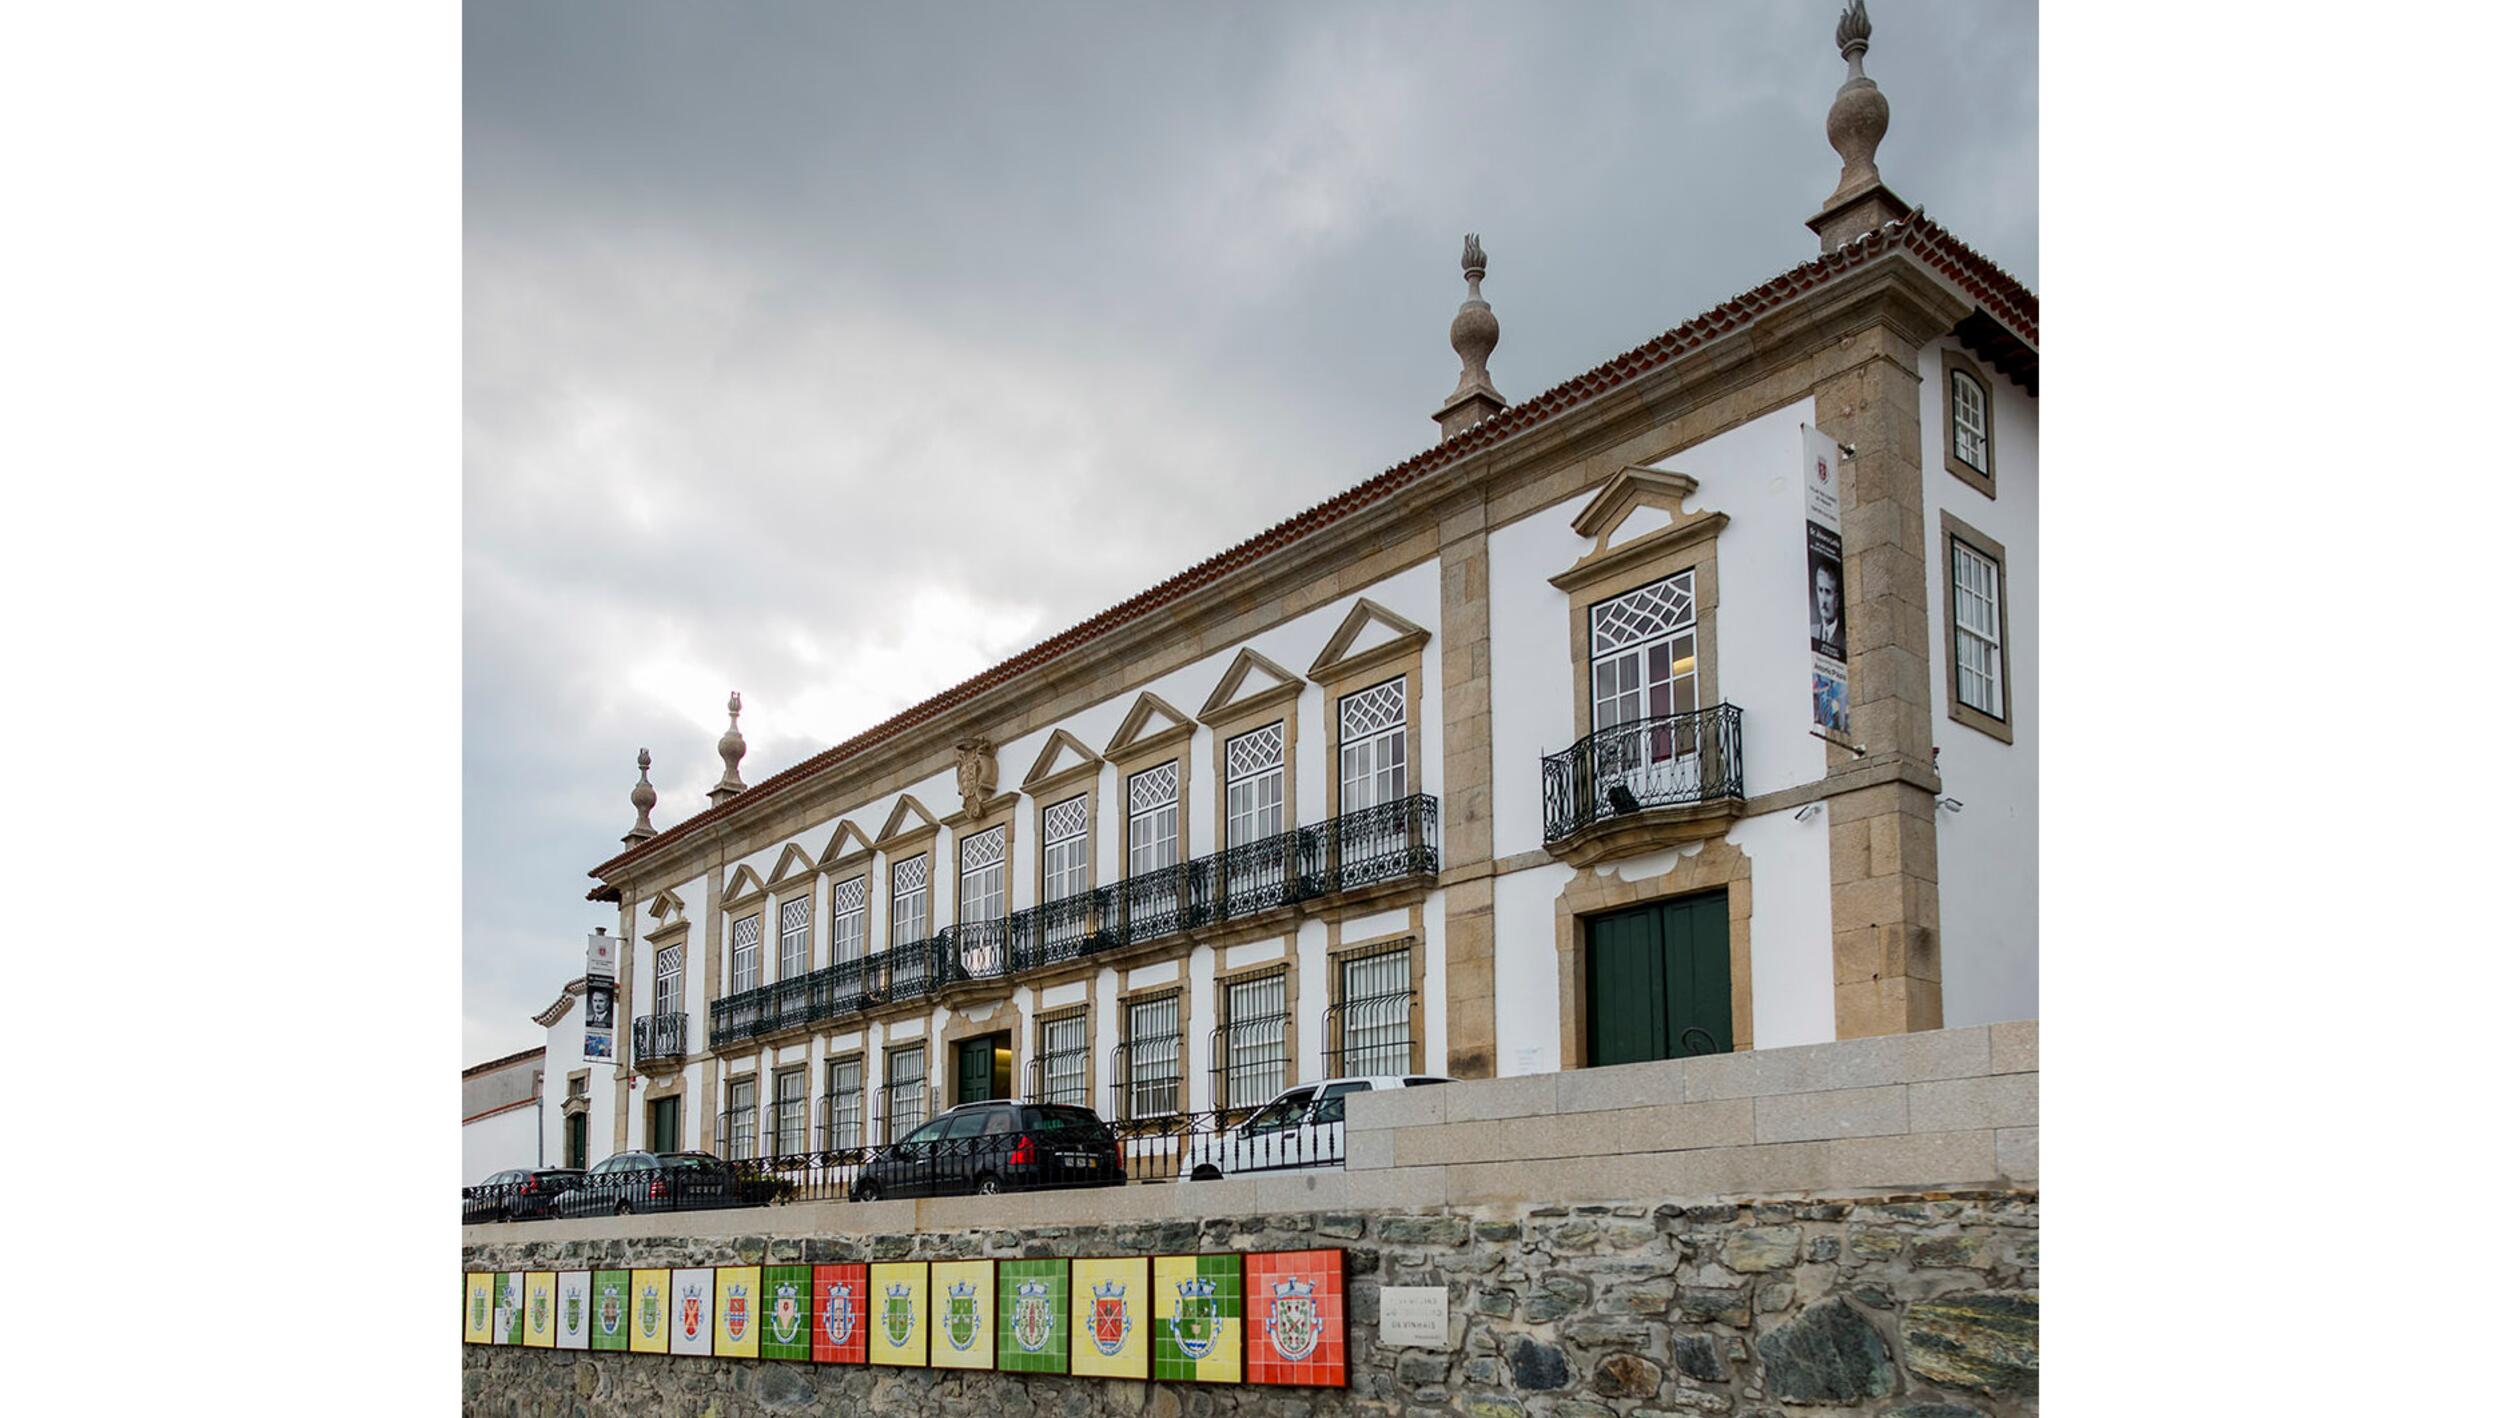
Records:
x=1300, y=1130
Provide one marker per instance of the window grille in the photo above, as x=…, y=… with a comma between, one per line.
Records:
x=1978, y=632
x=850, y=919
x=741, y=1119
x=907, y=1100
x=984, y=877
x=1254, y=1041
x=845, y=1106
x=1063, y=1059
x=746, y=940
x=1154, y=1056
x=790, y=1113
x=1371, y=746
x=1970, y=421
x=795, y=922
x=911, y=900
x=1375, y=994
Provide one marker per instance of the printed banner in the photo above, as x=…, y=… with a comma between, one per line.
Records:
x=1294, y=1317
x=1827, y=610
x=599, y=1019
x=690, y=1311
x=839, y=1335
x=573, y=1309
x=508, y=1307
x=1108, y=1300
x=477, y=1309
x=650, y=1318
x=1033, y=1316
x=1197, y=1319
x=611, y=1308
x=737, y=1296
x=898, y=1313
x=966, y=1314
x=785, y=1312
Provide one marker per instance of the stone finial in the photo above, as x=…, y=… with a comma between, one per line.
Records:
x=1859, y=118
x=733, y=746
x=644, y=800
x=1473, y=334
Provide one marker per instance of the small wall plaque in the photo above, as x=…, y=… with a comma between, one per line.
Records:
x=1415, y=1316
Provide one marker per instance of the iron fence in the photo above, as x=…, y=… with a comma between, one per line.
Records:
x=1667, y=761
x=1389, y=842
x=1023, y=1155
x=660, y=1036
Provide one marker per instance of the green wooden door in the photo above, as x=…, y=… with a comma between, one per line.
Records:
x=661, y=1135
x=1658, y=984
x=577, y=1140
x=979, y=1068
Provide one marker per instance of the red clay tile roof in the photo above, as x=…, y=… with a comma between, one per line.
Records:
x=2007, y=299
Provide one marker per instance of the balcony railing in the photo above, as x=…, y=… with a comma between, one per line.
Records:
x=1389, y=842
x=660, y=1036
x=1670, y=761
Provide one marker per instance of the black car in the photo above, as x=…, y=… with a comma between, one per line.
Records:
x=520, y=1194
x=995, y=1146
x=661, y=1181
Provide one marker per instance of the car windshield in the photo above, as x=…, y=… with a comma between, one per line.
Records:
x=621, y=1162
x=927, y=1132
x=1283, y=1113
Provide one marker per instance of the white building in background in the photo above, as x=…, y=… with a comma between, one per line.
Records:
x=542, y=1107
x=1531, y=753
x=499, y=1114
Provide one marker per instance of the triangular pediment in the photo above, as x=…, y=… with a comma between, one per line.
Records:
x=795, y=865
x=743, y=883
x=1634, y=502
x=1252, y=681
x=1152, y=722
x=909, y=819
x=1371, y=635
x=848, y=844
x=666, y=906
x=1061, y=756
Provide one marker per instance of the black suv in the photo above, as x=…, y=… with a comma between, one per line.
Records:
x=522, y=1194
x=662, y=1181
x=995, y=1146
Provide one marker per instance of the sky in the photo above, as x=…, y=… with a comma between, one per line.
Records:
x=833, y=353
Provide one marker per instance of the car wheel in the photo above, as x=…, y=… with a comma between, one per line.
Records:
x=624, y=1208
x=1206, y=1172
x=987, y=1186
x=865, y=1191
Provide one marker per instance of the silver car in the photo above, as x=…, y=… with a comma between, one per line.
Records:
x=1302, y=1129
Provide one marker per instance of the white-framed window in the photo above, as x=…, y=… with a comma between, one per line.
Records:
x=1371, y=746
x=911, y=901
x=1063, y=1059
x=1254, y=785
x=1063, y=850
x=741, y=1118
x=846, y=1105
x=1154, y=1056
x=850, y=919
x=1644, y=654
x=668, y=981
x=906, y=1091
x=1978, y=630
x=1970, y=420
x=1374, y=1014
x=746, y=953
x=790, y=1112
x=795, y=920
x=1254, y=1040
x=1154, y=819
x=983, y=878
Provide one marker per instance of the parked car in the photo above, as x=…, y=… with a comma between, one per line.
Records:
x=1000, y=1145
x=519, y=1194
x=1300, y=1130
x=664, y=1181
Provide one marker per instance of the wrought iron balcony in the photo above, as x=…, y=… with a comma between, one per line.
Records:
x=1672, y=761
x=660, y=1036
x=1390, y=842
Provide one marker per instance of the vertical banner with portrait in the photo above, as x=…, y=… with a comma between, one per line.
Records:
x=1827, y=598
x=599, y=997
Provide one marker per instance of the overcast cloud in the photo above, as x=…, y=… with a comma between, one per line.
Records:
x=834, y=353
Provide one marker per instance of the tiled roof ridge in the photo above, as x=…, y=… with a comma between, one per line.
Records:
x=475, y=1069
x=2008, y=299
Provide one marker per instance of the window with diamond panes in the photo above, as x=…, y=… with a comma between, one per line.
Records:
x=850, y=919
x=911, y=901
x=1154, y=1056
x=1064, y=866
x=1645, y=664
x=1978, y=631
x=984, y=894
x=907, y=1098
x=1970, y=421
x=1371, y=746
x=790, y=1112
x=794, y=937
x=1254, y=785
x=845, y=1106
x=668, y=981
x=1063, y=1059
x=1154, y=819
x=1254, y=1041
x=741, y=1119
x=746, y=953
x=1374, y=1018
